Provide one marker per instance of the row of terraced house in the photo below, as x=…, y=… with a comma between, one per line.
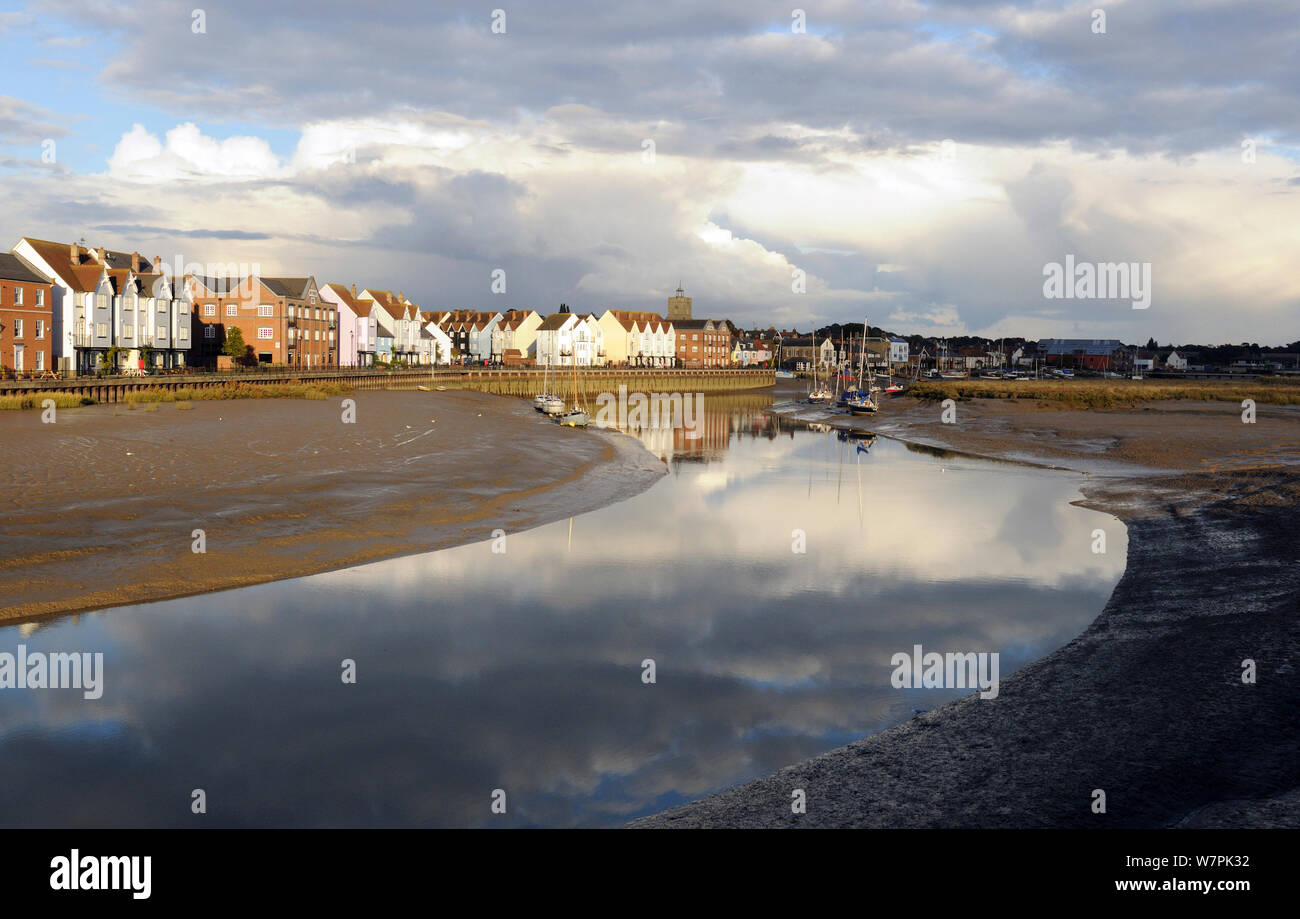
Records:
x=73, y=309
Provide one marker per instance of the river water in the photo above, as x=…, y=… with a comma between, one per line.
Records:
x=769, y=577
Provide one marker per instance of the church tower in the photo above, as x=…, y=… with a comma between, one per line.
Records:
x=679, y=307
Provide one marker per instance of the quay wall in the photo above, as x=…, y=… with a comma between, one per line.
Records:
x=523, y=383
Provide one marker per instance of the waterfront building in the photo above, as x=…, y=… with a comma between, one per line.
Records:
x=399, y=325
x=702, y=343
x=310, y=323
x=103, y=299
x=566, y=339
x=355, y=327
x=515, y=331
x=440, y=341
x=26, y=317
x=638, y=338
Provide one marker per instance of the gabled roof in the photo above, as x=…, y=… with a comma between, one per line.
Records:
x=82, y=277
x=1095, y=346
x=15, y=268
x=555, y=321
x=218, y=286
x=292, y=288
x=344, y=293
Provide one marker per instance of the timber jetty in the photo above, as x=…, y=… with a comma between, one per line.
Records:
x=512, y=382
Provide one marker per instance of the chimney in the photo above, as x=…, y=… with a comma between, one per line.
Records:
x=157, y=264
x=74, y=255
x=135, y=261
x=354, y=290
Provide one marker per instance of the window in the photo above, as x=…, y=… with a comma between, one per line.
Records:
x=209, y=331
x=265, y=332
x=40, y=298
x=209, y=309
x=162, y=331
x=101, y=301
x=232, y=309
x=101, y=330
x=291, y=311
x=40, y=360
x=18, y=328
x=128, y=331
x=18, y=296
x=317, y=334
x=266, y=311
x=40, y=328
x=313, y=300
x=183, y=333
x=162, y=306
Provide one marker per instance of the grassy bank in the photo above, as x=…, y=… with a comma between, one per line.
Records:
x=184, y=395
x=239, y=391
x=37, y=399
x=1085, y=394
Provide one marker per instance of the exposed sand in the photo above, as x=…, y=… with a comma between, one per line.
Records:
x=1148, y=704
x=99, y=507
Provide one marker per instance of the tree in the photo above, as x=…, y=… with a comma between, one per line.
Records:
x=234, y=346
x=1151, y=344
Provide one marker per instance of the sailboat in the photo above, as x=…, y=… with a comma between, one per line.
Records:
x=819, y=393
x=780, y=373
x=577, y=416
x=547, y=402
x=862, y=403
x=893, y=389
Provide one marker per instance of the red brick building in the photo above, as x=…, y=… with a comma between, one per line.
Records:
x=282, y=320
x=702, y=343
x=26, y=318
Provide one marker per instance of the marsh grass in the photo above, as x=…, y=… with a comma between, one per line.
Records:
x=315, y=391
x=34, y=400
x=1089, y=394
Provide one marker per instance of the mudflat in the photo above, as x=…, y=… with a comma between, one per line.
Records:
x=1149, y=704
x=101, y=507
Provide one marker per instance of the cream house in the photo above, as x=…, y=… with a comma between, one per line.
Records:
x=638, y=338
x=516, y=330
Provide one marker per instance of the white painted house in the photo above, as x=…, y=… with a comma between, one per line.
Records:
x=566, y=339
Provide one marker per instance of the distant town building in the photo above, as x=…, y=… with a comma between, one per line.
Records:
x=679, y=307
x=1088, y=353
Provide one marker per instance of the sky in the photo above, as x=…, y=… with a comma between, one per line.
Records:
x=920, y=165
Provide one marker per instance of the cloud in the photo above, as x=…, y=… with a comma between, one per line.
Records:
x=24, y=123
x=190, y=155
x=432, y=152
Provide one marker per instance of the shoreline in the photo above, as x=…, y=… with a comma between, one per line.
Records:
x=1147, y=703
x=282, y=489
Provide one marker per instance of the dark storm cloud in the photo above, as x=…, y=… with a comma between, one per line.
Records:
x=1162, y=77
